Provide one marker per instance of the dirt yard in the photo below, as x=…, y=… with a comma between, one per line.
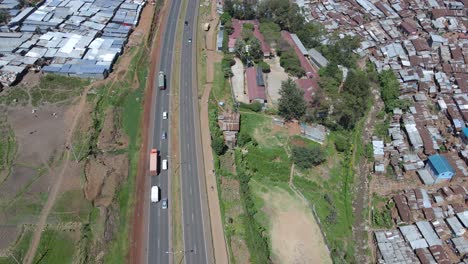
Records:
x=295, y=236
x=238, y=82
x=274, y=79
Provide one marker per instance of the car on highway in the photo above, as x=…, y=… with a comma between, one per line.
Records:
x=189, y=40
x=154, y=194
x=163, y=135
x=164, y=203
x=164, y=115
x=164, y=164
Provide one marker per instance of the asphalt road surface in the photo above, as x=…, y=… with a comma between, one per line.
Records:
x=159, y=229
x=195, y=242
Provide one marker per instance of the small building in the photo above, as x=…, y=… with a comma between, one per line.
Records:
x=455, y=226
x=317, y=133
x=219, y=39
x=255, y=85
x=439, y=167
x=317, y=58
x=229, y=123
x=461, y=245
x=436, y=40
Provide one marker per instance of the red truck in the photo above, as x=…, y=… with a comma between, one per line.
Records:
x=154, y=162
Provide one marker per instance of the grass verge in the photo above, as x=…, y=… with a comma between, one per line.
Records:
x=177, y=225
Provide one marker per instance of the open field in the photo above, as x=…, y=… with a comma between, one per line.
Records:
x=33, y=153
x=290, y=241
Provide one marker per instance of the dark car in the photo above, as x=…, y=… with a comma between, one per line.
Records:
x=164, y=203
x=186, y=22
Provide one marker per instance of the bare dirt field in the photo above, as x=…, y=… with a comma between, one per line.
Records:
x=274, y=79
x=295, y=236
x=238, y=82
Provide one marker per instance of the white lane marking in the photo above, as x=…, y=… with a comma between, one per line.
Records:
x=159, y=213
x=192, y=217
x=190, y=190
x=158, y=243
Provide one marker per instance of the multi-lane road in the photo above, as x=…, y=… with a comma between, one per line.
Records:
x=159, y=228
x=197, y=243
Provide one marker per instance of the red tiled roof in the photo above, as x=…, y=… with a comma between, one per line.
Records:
x=255, y=91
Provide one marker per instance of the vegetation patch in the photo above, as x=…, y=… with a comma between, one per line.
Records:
x=72, y=206
x=55, y=247
x=56, y=88
x=19, y=249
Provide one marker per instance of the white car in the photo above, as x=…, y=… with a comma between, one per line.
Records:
x=164, y=164
x=164, y=115
x=154, y=194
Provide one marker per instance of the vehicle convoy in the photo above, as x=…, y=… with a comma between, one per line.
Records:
x=154, y=162
x=161, y=81
x=154, y=194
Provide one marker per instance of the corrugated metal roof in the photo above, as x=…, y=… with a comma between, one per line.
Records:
x=299, y=44
x=440, y=164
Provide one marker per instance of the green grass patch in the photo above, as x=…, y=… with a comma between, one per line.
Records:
x=55, y=247
x=57, y=88
x=72, y=206
x=19, y=249
x=129, y=103
x=15, y=96
x=8, y=148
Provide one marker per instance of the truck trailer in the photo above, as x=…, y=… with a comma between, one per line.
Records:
x=154, y=162
x=161, y=81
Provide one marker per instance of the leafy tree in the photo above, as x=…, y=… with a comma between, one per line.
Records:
x=243, y=139
x=3, y=17
x=306, y=157
x=389, y=89
x=291, y=105
x=311, y=33
x=265, y=67
x=271, y=32
x=240, y=50
x=341, y=143
x=285, y=14
x=217, y=143
x=240, y=9
x=226, y=65
x=340, y=50
x=255, y=49
x=224, y=18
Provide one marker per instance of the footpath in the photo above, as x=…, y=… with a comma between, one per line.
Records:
x=219, y=241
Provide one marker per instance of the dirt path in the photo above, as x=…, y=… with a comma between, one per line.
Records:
x=57, y=184
x=360, y=227
x=219, y=242
x=295, y=236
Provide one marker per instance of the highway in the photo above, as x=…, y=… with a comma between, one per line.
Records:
x=197, y=238
x=159, y=228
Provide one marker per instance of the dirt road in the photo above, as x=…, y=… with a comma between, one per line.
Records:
x=219, y=242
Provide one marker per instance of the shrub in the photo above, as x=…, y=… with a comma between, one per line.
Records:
x=265, y=67
x=306, y=157
x=341, y=143
x=255, y=106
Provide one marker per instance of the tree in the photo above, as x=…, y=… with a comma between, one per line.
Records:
x=255, y=49
x=389, y=89
x=291, y=105
x=311, y=33
x=243, y=139
x=240, y=51
x=224, y=18
x=226, y=65
x=265, y=67
x=217, y=143
x=341, y=143
x=306, y=157
x=3, y=17
x=240, y=9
